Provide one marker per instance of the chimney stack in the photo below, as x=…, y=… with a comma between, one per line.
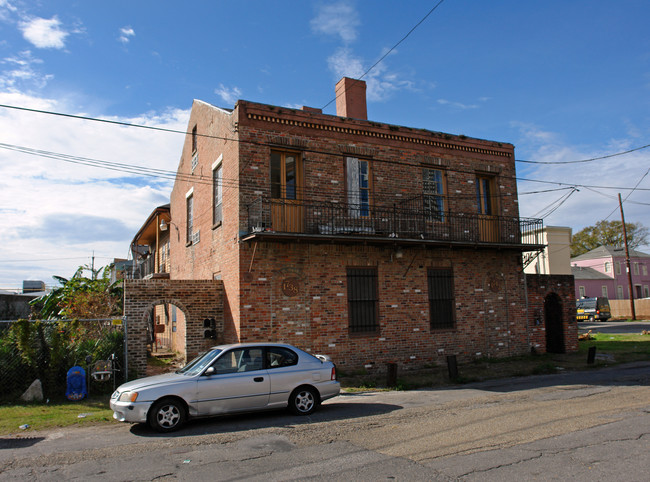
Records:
x=351, y=98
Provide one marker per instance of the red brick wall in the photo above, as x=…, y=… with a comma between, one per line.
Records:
x=489, y=285
x=198, y=299
x=490, y=308
x=539, y=287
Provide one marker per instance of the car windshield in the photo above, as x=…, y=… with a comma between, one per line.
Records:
x=197, y=365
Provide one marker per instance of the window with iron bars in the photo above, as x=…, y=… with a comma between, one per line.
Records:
x=441, y=298
x=362, y=300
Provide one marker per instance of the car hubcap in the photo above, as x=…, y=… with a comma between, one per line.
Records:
x=304, y=401
x=168, y=416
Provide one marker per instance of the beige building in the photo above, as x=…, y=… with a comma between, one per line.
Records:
x=556, y=256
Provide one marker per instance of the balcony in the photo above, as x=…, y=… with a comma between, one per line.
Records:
x=412, y=221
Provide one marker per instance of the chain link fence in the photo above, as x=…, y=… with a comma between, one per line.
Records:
x=45, y=351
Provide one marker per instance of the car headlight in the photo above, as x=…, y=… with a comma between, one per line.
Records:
x=128, y=396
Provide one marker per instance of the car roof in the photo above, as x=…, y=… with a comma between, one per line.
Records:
x=247, y=345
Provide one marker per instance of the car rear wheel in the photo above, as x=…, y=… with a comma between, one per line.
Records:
x=166, y=415
x=303, y=401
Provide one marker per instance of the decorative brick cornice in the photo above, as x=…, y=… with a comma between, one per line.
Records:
x=288, y=141
x=433, y=161
x=379, y=135
x=356, y=150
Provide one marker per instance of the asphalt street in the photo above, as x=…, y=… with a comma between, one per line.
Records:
x=591, y=425
x=615, y=327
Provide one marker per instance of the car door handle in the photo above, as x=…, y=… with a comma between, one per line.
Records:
x=258, y=379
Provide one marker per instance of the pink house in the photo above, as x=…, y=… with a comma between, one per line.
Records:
x=603, y=272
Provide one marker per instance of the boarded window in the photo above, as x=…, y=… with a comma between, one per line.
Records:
x=358, y=187
x=441, y=298
x=362, y=299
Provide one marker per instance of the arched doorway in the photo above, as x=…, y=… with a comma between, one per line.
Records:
x=554, y=324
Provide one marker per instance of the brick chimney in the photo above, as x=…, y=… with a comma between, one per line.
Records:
x=351, y=98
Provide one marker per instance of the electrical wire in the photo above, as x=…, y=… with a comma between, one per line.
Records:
x=391, y=49
x=585, y=160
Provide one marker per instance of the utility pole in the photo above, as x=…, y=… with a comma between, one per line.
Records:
x=627, y=259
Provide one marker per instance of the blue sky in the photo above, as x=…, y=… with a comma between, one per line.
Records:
x=562, y=81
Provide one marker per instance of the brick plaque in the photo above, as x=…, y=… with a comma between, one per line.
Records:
x=290, y=286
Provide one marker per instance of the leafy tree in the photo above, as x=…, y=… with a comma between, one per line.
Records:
x=82, y=297
x=608, y=233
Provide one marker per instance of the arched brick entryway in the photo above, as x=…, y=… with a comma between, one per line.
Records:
x=199, y=300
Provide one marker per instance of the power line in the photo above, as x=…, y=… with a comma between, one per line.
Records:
x=586, y=160
x=392, y=48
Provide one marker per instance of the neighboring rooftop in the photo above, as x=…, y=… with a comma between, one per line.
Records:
x=584, y=273
x=610, y=252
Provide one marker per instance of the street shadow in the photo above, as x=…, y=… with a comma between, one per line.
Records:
x=278, y=418
x=19, y=443
x=631, y=374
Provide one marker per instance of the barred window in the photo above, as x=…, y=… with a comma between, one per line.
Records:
x=362, y=300
x=441, y=298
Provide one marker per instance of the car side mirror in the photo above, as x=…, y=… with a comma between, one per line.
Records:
x=209, y=371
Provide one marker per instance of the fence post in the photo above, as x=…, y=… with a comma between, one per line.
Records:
x=391, y=375
x=452, y=367
x=591, y=355
x=126, y=349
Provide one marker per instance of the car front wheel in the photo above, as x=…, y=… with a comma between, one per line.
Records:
x=303, y=401
x=166, y=415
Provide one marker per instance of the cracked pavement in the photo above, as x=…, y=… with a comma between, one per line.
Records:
x=589, y=425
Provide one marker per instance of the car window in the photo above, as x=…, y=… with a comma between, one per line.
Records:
x=239, y=360
x=277, y=357
x=199, y=363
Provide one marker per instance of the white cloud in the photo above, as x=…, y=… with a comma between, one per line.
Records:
x=590, y=204
x=380, y=83
x=228, y=95
x=125, y=34
x=338, y=19
x=457, y=105
x=21, y=73
x=62, y=212
x=44, y=33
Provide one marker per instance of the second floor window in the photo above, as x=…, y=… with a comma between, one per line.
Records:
x=358, y=186
x=194, y=139
x=433, y=193
x=217, y=188
x=286, y=175
x=189, y=204
x=485, y=199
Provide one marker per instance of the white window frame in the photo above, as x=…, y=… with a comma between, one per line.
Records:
x=217, y=192
x=582, y=291
x=603, y=291
x=620, y=295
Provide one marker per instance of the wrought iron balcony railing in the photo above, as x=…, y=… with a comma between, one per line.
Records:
x=414, y=219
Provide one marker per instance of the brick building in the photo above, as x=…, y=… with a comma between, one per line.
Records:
x=370, y=242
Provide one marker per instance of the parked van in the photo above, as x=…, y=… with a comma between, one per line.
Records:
x=592, y=309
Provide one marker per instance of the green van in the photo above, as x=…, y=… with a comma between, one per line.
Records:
x=593, y=309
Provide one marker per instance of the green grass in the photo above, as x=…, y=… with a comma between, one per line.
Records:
x=41, y=416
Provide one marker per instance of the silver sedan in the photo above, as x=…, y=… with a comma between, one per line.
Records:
x=229, y=379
